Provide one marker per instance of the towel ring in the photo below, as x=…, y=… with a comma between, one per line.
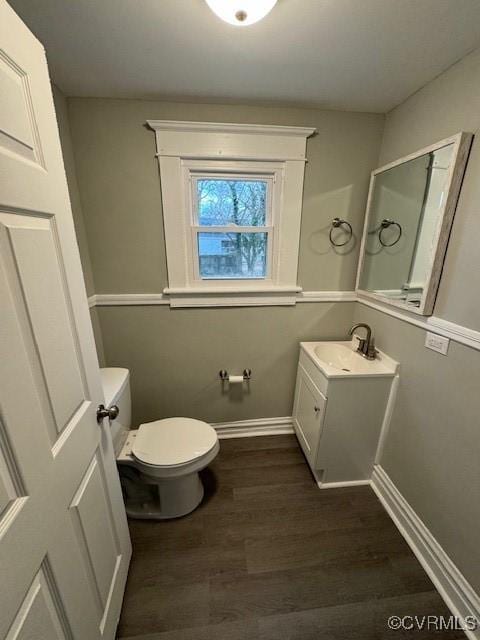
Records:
x=336, y=223
x=386, y=224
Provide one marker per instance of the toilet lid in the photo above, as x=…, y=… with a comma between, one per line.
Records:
x=173, y=441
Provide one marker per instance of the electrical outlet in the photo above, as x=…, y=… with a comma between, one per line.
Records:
x=437, y=343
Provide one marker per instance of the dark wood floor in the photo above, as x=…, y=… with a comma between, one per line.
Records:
x=269, y=556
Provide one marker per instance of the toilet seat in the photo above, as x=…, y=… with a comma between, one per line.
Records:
x=174, y=442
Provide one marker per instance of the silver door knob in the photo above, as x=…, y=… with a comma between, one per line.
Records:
x=110, y=413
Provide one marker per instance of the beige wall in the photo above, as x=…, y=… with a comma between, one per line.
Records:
x=175, y=355
x=433, y=449
x=118, y=177
x=61, y=110
x=449, y=104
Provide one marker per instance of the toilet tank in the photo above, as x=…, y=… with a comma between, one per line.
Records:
x=116, y=390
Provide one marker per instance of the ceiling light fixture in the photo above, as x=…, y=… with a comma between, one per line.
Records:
x=241, y=13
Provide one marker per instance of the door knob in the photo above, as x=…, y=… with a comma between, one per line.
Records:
x=110, y=413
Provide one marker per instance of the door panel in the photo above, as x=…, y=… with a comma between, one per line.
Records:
x=36, y=268
x=17, y=129
x=90, y=506
x=64, y=543
x=7, y=490
x=10, y=478
x=11, y=485
x=40, y=615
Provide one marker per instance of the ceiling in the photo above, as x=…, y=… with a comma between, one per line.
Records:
x=361, y=55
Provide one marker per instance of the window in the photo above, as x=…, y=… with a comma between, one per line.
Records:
x=232, y=226
x=232, y=199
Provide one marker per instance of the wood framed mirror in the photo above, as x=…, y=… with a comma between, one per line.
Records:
x=410, y=209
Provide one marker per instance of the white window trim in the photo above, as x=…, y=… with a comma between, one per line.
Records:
x=186, y=148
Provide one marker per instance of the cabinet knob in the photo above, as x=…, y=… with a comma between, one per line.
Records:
x=316, y=409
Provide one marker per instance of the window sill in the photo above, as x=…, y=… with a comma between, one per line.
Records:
x=240, y=296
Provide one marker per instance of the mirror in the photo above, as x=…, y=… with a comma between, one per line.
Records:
x=410, y=210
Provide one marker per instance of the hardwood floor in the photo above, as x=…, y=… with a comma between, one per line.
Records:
x=269, y=556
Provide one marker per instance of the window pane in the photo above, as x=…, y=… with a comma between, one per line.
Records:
x=222, y=202
x=232, y=255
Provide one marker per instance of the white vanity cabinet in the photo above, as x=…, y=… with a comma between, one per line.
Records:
x=338, y=417
x=308, y=414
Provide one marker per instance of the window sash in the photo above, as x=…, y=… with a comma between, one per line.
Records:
x=268, y=228
x=232, y=228
x=269, y=231
x=230, y=176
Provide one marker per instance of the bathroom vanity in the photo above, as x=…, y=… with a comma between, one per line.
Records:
x=340, y=404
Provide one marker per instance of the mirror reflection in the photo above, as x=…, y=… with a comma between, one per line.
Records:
x=405, y=216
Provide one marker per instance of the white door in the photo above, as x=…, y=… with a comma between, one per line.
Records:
x=64, y=543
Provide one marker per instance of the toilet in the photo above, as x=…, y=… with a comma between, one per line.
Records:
x=159, y=462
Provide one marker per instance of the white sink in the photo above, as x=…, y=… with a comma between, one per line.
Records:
x=341, y=359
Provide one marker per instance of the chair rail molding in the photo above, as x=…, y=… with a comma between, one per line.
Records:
x=127, y=299
x=327, y=296
x=456, y=332
x=264, y=297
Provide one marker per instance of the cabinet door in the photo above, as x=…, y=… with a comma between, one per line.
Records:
x=308, y=414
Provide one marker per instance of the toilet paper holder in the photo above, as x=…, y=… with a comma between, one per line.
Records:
x=224, y=375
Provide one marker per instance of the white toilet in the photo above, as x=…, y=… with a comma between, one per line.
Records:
x=159, y=462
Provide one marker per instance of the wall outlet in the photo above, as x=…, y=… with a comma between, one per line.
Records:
x=437, y=343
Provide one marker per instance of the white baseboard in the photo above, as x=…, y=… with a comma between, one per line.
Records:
x=257, y=427
x=458, y=594
x=337, y=485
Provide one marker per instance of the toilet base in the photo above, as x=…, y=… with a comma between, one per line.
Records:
x=148, y=498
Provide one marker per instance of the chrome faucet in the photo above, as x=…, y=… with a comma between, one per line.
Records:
x=366, y=347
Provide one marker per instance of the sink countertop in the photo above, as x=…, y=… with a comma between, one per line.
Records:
x=339, y=359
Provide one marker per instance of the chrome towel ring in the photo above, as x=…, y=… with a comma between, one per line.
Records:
x=386, y=224
x=336, y=223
